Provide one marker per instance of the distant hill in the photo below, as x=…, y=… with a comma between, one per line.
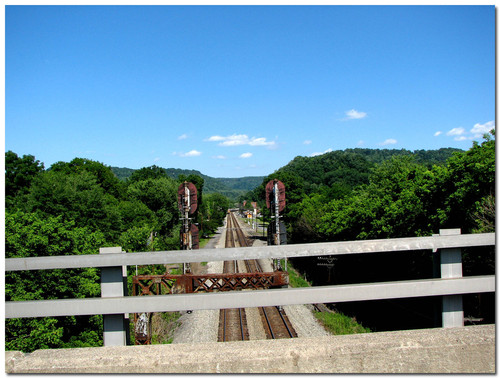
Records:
x=230, y=187
x=426, y=157
x=351, y=167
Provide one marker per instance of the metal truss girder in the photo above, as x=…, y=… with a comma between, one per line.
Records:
x=189, y=283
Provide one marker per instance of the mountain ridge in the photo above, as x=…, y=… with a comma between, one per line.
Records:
x=228, y=186
x=311, y=166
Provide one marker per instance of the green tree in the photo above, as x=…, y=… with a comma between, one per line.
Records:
x=470, y=178
x=214, y=210
x=137, y=239
x=309, y=212
x=30, y=235
x=135, y=213
x=103, y=174
x=398, y=202
x=19, y=174
x=485, y=215
x=146, y=173
x=76, y=197
x=160, y=196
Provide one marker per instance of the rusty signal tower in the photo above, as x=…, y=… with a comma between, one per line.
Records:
x=187, y=198
x=276, y=202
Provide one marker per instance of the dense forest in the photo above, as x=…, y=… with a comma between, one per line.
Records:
x=362, y=193
x=77, y=208
x=372, y=194
x=232, y=188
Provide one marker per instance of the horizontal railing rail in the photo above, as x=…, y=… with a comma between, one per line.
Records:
x=253, y=298
x=250, y=253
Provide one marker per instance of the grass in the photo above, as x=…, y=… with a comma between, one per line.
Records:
x=164, y=325
x=340, y=324
x=334, y=322
x=170, y=320
x=296, y=280
x=204, y=241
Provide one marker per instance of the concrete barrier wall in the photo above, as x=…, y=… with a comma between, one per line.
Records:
x=450, y=350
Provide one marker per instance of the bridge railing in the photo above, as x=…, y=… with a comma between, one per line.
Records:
x=114, y=305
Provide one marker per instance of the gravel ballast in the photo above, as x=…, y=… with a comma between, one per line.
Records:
x=202, y=326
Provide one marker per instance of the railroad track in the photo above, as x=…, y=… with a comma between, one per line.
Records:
x=232, y=322
x=276, y=323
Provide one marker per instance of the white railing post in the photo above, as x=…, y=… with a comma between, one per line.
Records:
x=112, y=286
x=451, y=267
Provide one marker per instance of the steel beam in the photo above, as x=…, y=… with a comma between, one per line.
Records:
x=253, y=298
x=249, y=253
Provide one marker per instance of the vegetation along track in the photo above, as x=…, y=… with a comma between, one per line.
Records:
x=232, y=322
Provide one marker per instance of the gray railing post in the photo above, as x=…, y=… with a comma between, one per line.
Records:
x=112, y=286
x=451, y=267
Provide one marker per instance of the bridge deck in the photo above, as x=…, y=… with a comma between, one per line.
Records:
x=449, y=350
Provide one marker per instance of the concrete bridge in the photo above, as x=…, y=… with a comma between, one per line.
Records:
x=451, y=349
x=440, y=350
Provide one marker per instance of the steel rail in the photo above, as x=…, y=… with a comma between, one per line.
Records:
x=241, y=324
x=231, y=267
x=285, y=322
x=277, y=321
x=268, y=322
x=224, y=328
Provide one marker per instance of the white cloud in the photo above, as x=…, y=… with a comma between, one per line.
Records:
x=458, y=134
x=320, y=153
x=239, y=140
x=388, y=141
x=354, y=114
x=157, y=159
x=479, y=130
x=183, y=136
x=307, y=142
x=188, y=154
x=220, y=157
x=215, y=138
x=456, y=131
x=361, y=143
x=246, y=155
x=437, y=133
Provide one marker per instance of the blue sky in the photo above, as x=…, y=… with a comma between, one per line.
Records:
x=237, y=91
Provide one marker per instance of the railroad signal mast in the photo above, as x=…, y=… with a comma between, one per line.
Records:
x=187, y=198
x=276, y=202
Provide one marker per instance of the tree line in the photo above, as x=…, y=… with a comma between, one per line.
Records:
x=78, y=207
x=231, y=188
x=362, y=194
